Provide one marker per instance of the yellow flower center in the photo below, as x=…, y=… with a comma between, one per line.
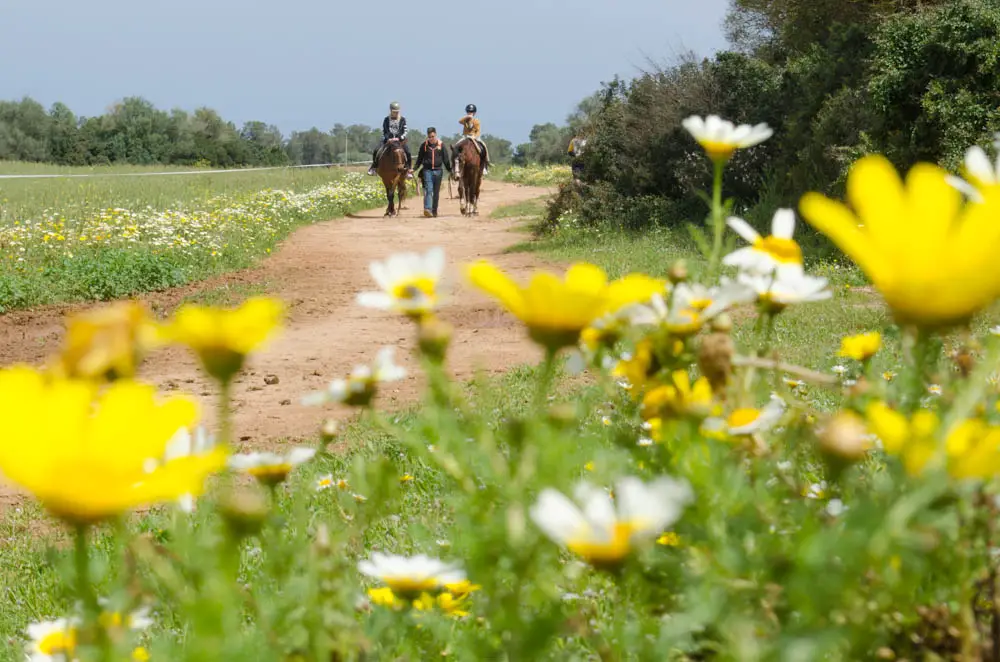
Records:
x=786, y=251
x=58, y=643
x=271, y=471
x=700, y=304
x=717, y=151
x=688, y=323
x=410, y=585
x=742, y=417
x=414, y=289
x=604, y=552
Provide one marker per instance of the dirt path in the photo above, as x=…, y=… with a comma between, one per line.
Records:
x=318, y=272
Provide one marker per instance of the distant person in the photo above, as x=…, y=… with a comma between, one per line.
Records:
x=432, y=156
x=393, y=130
x=471, y=130
x=576, y=148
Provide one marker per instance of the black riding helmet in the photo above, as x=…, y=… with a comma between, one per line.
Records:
x=471, y=108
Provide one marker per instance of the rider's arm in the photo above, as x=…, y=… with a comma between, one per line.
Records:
x=464, y=119
x=385, y=130
x=402, y=128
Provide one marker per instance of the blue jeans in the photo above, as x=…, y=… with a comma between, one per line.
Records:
x=432, y=189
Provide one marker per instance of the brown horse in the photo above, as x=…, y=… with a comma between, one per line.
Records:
x=469, y=168
x=392, y=170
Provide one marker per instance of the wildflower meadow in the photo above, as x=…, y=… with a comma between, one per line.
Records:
x=121, y=233
x=668, y=483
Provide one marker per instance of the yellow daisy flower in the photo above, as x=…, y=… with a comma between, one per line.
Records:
x=222, y=339
x=107, y=342
x=557, y=311
x=931, y=256
x=679, y=398
x=86, y=455
x=860, y=347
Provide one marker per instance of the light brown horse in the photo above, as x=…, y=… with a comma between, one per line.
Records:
x=392, y=170
x=469, y=167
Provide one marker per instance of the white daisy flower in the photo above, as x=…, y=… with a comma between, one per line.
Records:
x=53, y=641
x=114, y=620
x=603, y=530
x=361, y=385
x=765, y=254
x=328, y=481
x=271, y=468
x=691, y=307
x=835, y=508
x=935, y=389
x=720, y=138
x=816, y=490
x=840, y=370
x=980, y=170
x=746, y=421
x=411, y=575
x=794, y=383
x=409, y=282
x=786, y=287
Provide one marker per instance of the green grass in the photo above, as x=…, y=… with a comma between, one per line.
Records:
x=526, y=209
x=112, y=237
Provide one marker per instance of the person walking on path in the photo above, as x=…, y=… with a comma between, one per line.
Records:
x=433, y=155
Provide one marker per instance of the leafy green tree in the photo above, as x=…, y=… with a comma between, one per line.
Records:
x=66, y=144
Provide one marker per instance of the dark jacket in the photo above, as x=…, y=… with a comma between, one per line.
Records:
x=387, y=131
x=432, y=158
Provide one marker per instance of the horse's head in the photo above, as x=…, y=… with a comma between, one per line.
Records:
x=399, y=156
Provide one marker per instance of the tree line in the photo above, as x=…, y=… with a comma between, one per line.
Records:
x=134, y=131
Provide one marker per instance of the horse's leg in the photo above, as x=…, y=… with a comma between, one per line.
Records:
x=462, y=203
x=388, y=196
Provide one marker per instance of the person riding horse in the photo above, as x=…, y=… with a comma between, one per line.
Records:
x=393, y=129
x=471, y=130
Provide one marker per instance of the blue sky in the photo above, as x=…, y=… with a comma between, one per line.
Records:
x=304, y=63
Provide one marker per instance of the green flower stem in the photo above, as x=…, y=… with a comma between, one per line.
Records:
x=85, y=591
x=919, y=345
x=545, y=381
x=718, y=219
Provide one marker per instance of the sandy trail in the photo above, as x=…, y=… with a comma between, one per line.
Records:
x=318, y=272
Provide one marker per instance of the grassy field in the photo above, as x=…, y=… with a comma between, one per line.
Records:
x=117, y=234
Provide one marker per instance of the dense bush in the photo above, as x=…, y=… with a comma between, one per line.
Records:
x=915, y=82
